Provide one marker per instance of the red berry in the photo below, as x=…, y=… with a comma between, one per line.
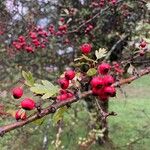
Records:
x=142, y=53
x=20, y=114
x=64, y=83
x=28, y=104
x=103, y=97
x=86, y=48
x=17, y=92
x=33, y=35
x=62, y=97
x=110, y=91
x=95, y=91
x=63, y=91
x=69, y=75
x=143, y=44
x=70, y=95
x=29, y=49
x=104, y=68
x=108, y=80
x=62, y=19
x=97, y=82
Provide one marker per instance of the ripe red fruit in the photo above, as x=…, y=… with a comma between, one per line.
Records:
x=29, y=49
x=103, y=97
x=64, y=83
x=33, y=35
x=62, y=97
x=108, y=80
x=104, y=68
x=97, y=82
x=17, y=92
x=86, y=48
x=20, y=114
x=70, y=95
x=28, y=104
x=62, y=91
x=143, y=44
x=110, y=91
x=96, y=91
x=142, y=53
x=69, y=75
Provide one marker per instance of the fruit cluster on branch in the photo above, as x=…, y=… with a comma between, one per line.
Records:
x=52, y=108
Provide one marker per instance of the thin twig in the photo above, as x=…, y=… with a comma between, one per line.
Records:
x=52, y=108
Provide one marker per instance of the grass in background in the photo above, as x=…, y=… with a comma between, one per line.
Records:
x=132, y=124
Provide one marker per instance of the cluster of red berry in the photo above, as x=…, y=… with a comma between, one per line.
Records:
x=64, y=84
x=102, y=84
x=38, y=37
x=35, y=39
x=89, y=28
x=26, y=104
x=101, y=3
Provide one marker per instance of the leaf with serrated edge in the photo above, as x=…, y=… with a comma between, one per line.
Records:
x=100, y=53
x=46, y=88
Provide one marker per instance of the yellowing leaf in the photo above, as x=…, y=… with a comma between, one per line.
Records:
x=47, y=89
x=59, y=114
x=91, y=72
x=11, y=112
x=100, y=53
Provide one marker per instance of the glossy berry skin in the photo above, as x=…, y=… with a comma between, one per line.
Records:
x=20, y=114
x=86, y=48
x=110, y=91
x=97, y=82
x=64, y=83
x=96, y=91
x=108, y=80
x=28, y=104
x=62, y=97
x=104, y=68
x=17, y=92
x=69, y=74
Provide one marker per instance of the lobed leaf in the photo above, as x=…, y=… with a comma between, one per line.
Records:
x=47, y=89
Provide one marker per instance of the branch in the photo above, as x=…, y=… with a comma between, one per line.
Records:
x=52, y=108
x=104, y=114
x=123, y=37
x=89, y=20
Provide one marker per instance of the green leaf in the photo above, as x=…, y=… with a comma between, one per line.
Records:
x=39, y=121
x=59, y=114
x=29, y=80
x=100, y=53
x=47, y=89
x=91, y=72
